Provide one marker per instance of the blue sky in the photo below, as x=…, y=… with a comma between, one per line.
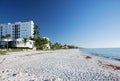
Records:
x=85, y=23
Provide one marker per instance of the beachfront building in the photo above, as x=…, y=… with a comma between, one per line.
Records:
x=47, y=45
x=17, y=31
x=21, y=43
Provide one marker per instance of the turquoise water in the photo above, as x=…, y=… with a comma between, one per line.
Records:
x=112, y=53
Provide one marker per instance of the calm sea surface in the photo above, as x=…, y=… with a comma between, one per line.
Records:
x=111, y=53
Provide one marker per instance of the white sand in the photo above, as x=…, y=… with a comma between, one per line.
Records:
x=60, y=65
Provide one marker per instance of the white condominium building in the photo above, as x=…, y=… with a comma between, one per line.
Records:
x=17, y=30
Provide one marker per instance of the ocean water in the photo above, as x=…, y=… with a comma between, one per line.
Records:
x=111, y=53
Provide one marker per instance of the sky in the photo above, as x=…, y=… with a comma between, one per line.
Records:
x=84, y=23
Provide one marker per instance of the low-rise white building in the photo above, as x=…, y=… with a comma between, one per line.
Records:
x=17, y=32
x=20, y=43
x=47, y=46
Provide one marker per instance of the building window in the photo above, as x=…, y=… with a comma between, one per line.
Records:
x=30, y=42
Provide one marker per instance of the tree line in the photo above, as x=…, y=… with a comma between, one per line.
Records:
x=41, y=42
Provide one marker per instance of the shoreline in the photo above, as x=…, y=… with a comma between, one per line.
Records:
x=57, y=65
x=97, y=56
x=105, y=61
x=100, y=55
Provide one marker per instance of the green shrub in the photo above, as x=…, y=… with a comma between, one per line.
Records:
x=3, y=52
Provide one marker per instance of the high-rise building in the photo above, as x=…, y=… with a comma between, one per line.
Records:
x=17, y=30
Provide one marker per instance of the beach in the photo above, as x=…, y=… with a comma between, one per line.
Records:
x=57, y=65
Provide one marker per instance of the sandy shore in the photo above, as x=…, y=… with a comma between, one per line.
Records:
x=59, y=65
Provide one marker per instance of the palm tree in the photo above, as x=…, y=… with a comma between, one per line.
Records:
x=56, y=46
x=36, y=31
x=25, y=40
x=41, y=43
x=3, y=37
x=31, y=38
x=7, y=37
